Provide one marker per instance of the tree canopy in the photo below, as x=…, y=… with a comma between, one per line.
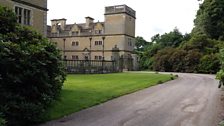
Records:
x=210, y=19
x=194, y=52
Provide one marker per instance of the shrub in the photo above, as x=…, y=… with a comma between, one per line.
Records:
x=7, y=19
x=220, y=74
x=161, y=60
x=2, y=120
x=209, y=64
x=221, y=123
x=31, y=75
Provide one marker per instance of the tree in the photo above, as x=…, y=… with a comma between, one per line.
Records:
x=194, y=52
x=209, y=19
x=202, y=43
x=31, y=72
x=140, y=43
x=146, y=57
x=155, y=38
x=171, y=39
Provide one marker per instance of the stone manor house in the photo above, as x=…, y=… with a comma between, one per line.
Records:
x=112, y=39
x=30, y=13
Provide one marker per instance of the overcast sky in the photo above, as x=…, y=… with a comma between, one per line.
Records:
x=152, y=16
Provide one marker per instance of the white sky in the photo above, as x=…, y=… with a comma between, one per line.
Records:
x=152, y=16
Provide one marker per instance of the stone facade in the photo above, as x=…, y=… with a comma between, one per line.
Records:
x=30, y=12
x=108, y=40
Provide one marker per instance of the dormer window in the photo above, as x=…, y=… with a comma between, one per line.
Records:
x=75, y=33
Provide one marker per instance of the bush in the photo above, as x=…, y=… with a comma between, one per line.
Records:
x=209, y=64
x=2, y=120
x=161, y=60
x=31, y=75
x=191, y=61
x=220, y=74
x=7, y=19
x=221, y=123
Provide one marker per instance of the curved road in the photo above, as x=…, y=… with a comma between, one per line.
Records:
x=190, y=100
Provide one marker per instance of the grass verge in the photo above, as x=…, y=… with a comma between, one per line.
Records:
x=83, y=91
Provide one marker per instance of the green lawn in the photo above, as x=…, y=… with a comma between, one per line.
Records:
x=83, y=91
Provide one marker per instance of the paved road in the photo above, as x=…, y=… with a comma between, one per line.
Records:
x=190, y=100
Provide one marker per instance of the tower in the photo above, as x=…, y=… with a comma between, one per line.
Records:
x=120, y=20
x=120, y=27
x=120, y=23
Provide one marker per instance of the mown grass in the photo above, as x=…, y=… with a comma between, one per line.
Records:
x=83, y=91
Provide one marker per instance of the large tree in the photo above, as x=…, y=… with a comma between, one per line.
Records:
x=140, y=43
x=171, y=39
x=194, y=52
x=210, y=19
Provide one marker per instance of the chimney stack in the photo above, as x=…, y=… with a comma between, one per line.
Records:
x=60, y=22
x=89, y=21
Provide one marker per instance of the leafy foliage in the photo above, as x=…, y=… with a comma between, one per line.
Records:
x=2, y=120
x=209, y=64
x=140, y=47
x=140, y=43
x=220, y=74
x=159, y=53
x=177, y=60
x=31, y=75
x=202, y=43
x=191, y=61
x=195, y=52
x=7, y=19
x=209, y=19
x=161, y=60
x=171, y=39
